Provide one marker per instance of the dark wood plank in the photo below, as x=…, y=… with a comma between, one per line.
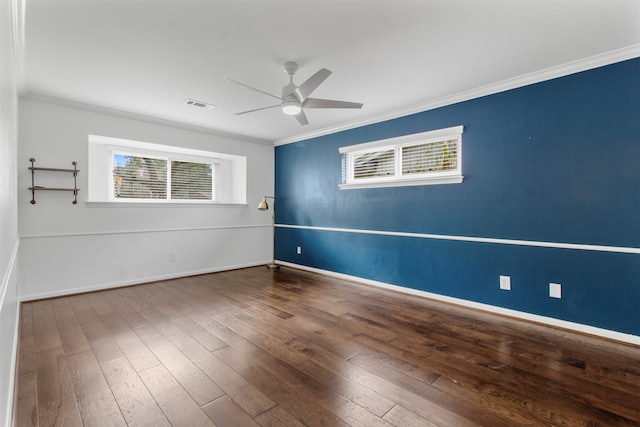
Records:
x=229, y=336
x=225, y=412
x=45, y=330
x=173, y=301
x=57, y=404
x=26, y=349
x=343, y=408
x=317, y=364
x=535, y=388
x=248, y=397
x=136, y=403
x=99, y=303
x=26, y=404
x=130, y=315
x=208, y=340
x=270, y=309
x=95, y=399
x=71, y=333
x=191, y=291
x=147, y=294
x=307, y=325
x=300, y=402
x=423, y=386
x=140, y=301
x=277, y=417
x=400, y=416
x=137, y=353
x=79, y=302
x=201, y=388
x=177, y=289
x=292, y=348
x=176, y=404
x=102, y=343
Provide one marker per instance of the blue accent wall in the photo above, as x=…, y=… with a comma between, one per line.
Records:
x=556, y=161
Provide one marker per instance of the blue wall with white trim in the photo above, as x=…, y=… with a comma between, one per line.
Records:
x=556, y=161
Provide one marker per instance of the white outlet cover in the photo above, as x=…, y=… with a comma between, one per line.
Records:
x=555, y=290
x=505, y=283
x=299, y=250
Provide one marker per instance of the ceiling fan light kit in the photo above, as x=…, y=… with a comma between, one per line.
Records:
x=295, y=99
x=291, y=108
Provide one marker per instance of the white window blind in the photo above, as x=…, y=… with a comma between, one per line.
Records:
x=138, y=177
x=438, y=156
x=192, y=181
x=374, y=164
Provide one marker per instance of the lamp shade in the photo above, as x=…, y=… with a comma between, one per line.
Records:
x=263, y=206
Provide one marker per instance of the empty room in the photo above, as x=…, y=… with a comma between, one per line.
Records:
x=319, y=213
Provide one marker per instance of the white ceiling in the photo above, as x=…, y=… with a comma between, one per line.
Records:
x=147, y=56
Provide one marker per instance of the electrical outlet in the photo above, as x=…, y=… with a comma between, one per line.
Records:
x=505, y=283
x=299, y=250
x=555, y=290
x=172, y=256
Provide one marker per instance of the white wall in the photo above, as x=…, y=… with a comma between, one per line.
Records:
x=66, y=248
x=8, y=205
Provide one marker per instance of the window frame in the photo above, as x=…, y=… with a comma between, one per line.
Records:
x=169, y=158
x=453, y=176
x=231, y=176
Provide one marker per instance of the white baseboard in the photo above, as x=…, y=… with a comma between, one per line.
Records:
x=137, y=281
x=550, y=321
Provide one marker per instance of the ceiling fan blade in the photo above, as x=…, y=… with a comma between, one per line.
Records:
x=257, y=109
x=309, y=85
x=301, y=118
x=329, y=103
x=252, y=88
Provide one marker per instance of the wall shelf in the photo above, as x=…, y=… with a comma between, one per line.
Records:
x=35, y=187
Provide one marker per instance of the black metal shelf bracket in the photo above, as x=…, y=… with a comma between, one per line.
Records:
x=35, y=187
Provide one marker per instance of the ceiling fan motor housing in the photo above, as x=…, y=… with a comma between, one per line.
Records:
x=290, y=67
x=291, y=105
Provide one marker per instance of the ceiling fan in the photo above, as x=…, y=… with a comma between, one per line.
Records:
x=295, y=99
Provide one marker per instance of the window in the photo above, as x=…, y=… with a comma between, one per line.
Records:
x=137, y=177
x=131, y=171
x=193, y=181
x=433, y=157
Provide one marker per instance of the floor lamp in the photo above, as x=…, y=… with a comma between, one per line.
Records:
x=263, y=206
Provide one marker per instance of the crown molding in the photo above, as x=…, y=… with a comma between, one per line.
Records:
x=568, y=68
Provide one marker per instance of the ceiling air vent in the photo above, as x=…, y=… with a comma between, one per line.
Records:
x=199, y=104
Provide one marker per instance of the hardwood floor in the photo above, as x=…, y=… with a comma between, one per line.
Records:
x=254, y=347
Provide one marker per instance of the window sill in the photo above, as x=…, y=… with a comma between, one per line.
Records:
x=452, y=179
x=137, y=204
